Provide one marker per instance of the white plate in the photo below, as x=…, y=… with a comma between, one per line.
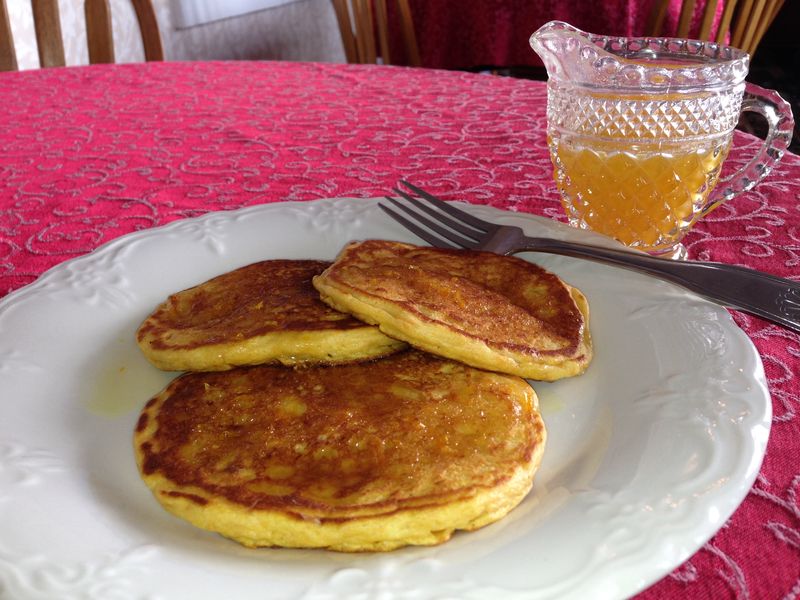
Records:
x=648, y=454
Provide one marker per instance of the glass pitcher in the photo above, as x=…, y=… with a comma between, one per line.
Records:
x=638, y=129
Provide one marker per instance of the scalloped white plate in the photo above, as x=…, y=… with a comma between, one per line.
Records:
x=648, y=454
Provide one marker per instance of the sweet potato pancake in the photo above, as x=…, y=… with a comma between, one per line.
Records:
x=489, y=311
x=371, y=456
x=267, y=312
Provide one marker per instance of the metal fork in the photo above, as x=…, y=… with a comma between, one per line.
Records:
x=445, y=226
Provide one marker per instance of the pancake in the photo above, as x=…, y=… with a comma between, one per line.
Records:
x=493, y=312
x=266, y=312
x=366, y=457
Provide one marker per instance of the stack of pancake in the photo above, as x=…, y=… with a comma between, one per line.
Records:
x=366, y=404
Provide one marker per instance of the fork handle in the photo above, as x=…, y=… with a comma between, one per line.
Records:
x=772, y=298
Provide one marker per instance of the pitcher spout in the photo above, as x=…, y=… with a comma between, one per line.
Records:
x=562, y=48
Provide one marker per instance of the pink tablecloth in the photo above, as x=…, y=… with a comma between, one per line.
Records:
x=93, y=153
x=476, y=33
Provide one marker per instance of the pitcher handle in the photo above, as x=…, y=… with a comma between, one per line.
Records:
x=778, y=113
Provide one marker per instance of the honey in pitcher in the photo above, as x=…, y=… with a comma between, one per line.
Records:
x=646, y=196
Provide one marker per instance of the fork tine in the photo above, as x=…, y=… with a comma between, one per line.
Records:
x=433, y=240
x=440, y=217
x=464, y=216
x=459, y=240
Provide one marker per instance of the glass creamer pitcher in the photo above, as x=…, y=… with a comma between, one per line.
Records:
x=638, y=129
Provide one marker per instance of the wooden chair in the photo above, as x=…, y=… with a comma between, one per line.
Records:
x=49, y=41
x=359, y=20
x=746, y=20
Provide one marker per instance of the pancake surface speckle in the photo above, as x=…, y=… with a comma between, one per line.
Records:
x=401, y=451
x=489, y=311
x=266, y=312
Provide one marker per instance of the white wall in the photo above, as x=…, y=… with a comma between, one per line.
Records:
x=303, y=30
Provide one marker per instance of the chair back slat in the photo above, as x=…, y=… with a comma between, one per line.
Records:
x=655, y=22
x=365, y=34
x=8, y=56
x=346, y=29
x=767, y=18
x=382, y=26
x=49, y=41
x=409, y=35
x=745, y=21
x=746, y=9
x=762, y=14
x=726, y=20
x=707, y=22
x=148, y=26
x=99, y=33
x=364, y=27
x=686, y=18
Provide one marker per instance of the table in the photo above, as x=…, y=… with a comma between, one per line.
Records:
x=479, y=34
x=93, y=153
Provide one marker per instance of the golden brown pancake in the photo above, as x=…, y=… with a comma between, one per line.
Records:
x=489, y=311
x=267, y=312
x=363, y=457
